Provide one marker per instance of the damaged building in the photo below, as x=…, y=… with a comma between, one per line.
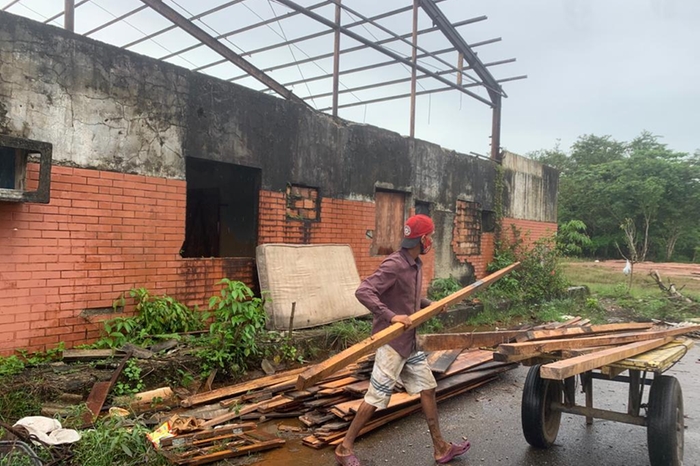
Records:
x=120, y=171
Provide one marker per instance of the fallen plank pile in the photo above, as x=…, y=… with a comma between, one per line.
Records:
x=326, y=408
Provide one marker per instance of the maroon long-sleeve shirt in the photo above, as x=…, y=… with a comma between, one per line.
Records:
x=394, y=288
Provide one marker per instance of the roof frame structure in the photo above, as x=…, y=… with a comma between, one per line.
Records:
x=447, y=75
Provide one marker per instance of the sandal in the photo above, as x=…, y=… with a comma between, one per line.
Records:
x=455, y=450
x=349, y=460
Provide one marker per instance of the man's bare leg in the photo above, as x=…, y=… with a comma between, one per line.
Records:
x=429, y=405
x=364, y=412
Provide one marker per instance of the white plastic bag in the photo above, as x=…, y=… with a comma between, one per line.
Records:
x=628, y=268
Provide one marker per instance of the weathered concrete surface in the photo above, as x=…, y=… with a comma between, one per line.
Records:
x=106, y=108
x=490, y=417
x=530, y=189
x=98, y=107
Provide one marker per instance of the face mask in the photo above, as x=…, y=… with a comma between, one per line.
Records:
x=426, y=244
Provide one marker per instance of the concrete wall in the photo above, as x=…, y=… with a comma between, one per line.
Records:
x=121, y=126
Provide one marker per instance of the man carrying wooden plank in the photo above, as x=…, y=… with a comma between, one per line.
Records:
x=393, y=293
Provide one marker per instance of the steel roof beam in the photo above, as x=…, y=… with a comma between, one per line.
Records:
x=246, y=28
x=192, y=18
x=221, y=49
x=115, y=20
x=405, y=41
x=403, y=96
x=396, y=81
x=380, y=49
x=362, y=47
x=441, y=21
x=321, y=34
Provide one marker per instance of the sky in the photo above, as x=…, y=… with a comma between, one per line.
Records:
x=603, y=67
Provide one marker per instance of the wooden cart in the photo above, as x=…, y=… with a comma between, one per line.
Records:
x=544, y=400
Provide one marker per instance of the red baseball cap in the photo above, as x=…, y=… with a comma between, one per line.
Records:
x=415, y=228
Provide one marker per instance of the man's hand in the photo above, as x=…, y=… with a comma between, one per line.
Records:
x=404, y=319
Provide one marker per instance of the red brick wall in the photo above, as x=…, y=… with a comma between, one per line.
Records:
x=104, y=233
x=530, y=230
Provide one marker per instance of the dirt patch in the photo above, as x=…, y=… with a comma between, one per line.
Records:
x=665, y=269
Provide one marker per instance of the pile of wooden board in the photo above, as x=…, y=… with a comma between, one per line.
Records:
x=459, y=361
x=594, y=348
x=327, y=407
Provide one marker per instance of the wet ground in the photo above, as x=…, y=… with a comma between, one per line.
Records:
x=490, y=417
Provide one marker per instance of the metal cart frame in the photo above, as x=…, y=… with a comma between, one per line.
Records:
x=544, y=401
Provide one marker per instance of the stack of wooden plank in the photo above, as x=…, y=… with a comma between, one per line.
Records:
x=578, y=350
x=327, y=407
x=210, y=446
x=459, y=361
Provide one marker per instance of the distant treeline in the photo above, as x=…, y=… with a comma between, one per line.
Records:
x=635, y=198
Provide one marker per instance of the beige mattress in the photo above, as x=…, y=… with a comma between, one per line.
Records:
x=321, y=279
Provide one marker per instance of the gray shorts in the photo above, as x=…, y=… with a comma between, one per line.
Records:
x=390, y=368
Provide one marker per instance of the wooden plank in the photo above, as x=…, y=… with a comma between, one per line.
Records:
x=234, y=414
x=566, y=332
x=340, y=383
x=86, y=354
x=390, y=416
x=440, y=361
x=99, y=392
x=568, y=323
x=342, y=359
x=546, y=346
x=244, y=387
x=569, y=367
x=448, y=341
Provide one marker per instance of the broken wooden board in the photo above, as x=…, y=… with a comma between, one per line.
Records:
x=448, y=341
x=237, y=412
x=342, y=359
x=86, y=354
x=244, y=387
x=98, y=394
x=211, y=450
x=440, y=361
x=560, y=370
x=545, y=346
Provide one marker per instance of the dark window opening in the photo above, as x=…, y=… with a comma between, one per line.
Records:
x=25, y=170
x=303, y=203
x=222, y=209
x=488, y=221
x=422, y=207
x=390, y=208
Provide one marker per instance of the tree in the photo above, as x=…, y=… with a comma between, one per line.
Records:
x=643, y=184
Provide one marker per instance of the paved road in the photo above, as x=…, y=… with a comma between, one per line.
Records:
x=490, y=417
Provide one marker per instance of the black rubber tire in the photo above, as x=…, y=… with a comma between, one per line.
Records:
x=540, y=423
x=665, y=425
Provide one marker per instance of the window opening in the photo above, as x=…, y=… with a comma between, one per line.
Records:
x=303, y=203
x=25, y=170
x=222, y=209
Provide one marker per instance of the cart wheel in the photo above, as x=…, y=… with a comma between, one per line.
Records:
x=665, y=427
x=540, y=423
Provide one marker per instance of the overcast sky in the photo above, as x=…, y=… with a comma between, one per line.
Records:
x=604, y=67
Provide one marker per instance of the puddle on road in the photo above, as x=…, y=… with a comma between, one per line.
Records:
x=293, y=452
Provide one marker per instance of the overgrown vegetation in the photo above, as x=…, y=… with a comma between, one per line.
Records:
x=537, y=280
x=156, y=317
x=235, y=333
x=113, y=441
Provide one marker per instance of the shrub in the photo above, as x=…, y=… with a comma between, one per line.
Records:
x=238, y=326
